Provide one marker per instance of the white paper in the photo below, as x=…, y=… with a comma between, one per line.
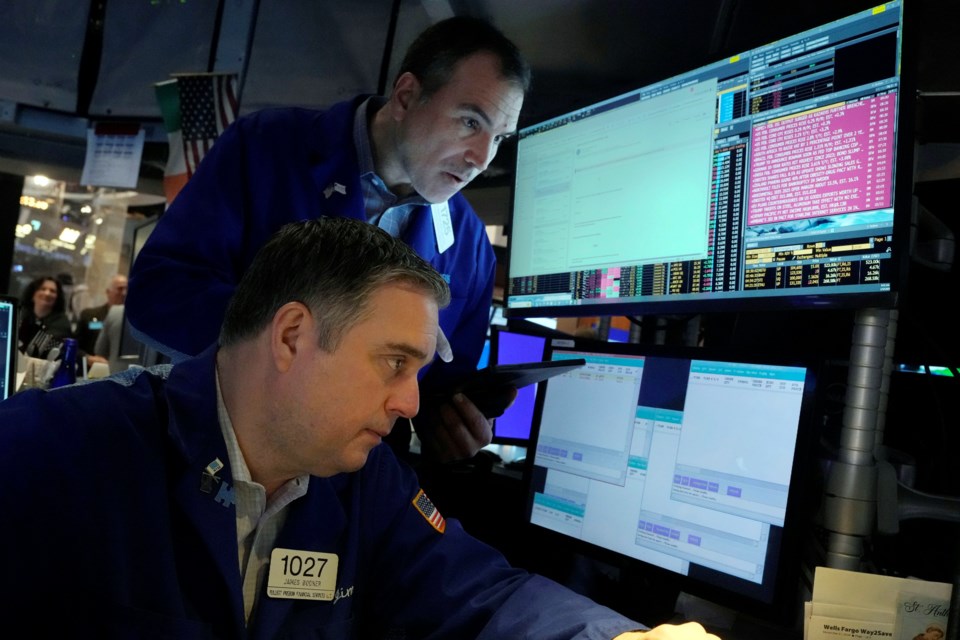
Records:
x=827, y=628
x=112, y=160
x=868, y=590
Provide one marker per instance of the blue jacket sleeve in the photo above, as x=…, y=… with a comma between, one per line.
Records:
x=184, y=275
x=471, y=332
x=449, y=584
x=267, y=169
x=470, y=269
x=541, y=608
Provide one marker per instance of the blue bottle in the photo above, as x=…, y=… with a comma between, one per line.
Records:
x=67, y=373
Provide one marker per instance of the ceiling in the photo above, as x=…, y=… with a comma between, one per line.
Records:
x=65, y=64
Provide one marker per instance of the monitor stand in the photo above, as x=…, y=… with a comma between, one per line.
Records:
x=860, y=470
x=850, y=500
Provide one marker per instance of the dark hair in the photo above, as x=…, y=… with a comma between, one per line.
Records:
x=26, y=300
x=332, y=265
x=434, y=55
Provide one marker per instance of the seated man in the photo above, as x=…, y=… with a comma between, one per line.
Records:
x=110, y=339
x=242, y=493
x=91, y=319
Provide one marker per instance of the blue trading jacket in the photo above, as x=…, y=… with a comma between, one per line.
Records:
x=269, y=168
x=107, y=533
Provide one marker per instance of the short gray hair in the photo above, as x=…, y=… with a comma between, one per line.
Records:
x=333, y=266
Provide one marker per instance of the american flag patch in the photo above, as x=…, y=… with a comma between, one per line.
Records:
x=429, y=512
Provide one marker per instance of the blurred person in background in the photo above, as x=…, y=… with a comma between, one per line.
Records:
x=91, y=319
x=44, y=323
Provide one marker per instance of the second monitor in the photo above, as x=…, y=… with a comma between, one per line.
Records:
x=682, y=459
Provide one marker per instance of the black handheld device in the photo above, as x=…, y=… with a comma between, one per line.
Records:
x=489, y=388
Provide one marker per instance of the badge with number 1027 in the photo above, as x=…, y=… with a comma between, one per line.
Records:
x=302, y=575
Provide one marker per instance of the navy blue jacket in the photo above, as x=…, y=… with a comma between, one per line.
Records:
x=108, y=534
x=267, y=169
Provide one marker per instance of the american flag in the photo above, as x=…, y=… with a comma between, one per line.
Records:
x=430, y=512
x=208, y=104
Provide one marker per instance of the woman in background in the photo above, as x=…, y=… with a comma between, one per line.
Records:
x=44, y=322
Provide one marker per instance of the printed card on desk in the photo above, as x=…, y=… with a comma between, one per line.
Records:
x=863, y=606
x=849, y=622
x=921, y=617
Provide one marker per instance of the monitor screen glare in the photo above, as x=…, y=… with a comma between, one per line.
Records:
x=768, y=179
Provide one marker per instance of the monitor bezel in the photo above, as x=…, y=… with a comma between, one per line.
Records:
x=11, y=377
x=780, y=603
x=721, y=302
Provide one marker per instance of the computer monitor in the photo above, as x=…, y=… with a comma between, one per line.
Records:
x=680, y=461
x=9, y=326
x=515, y=346
x=776, y=178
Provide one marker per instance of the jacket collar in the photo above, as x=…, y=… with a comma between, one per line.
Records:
x=206, y=503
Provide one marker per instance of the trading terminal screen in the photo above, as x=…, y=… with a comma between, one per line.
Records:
x=767, y=179
x=8, y=346
x=676, y=459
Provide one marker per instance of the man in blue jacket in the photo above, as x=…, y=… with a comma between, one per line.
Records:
x=398, y=162
x=243, y=494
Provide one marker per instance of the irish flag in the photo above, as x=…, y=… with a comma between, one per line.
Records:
x=196, y=108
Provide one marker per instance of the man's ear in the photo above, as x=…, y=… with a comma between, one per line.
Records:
x=291, y=327
x=406, y=92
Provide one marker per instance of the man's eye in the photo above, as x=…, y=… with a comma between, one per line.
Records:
x=396, y=364
x=471, y=123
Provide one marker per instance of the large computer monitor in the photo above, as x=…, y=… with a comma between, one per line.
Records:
x=685, y=462
x=9, y=326
x=776, y=178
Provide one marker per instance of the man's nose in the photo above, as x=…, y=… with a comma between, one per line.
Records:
x=405, y=401
x=481, y=152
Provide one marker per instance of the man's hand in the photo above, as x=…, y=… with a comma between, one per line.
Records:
x=455, y=429
x=685, y=631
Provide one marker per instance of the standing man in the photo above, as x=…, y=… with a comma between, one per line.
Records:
x=243, y=494
x=398, y=162
x=90, y=321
